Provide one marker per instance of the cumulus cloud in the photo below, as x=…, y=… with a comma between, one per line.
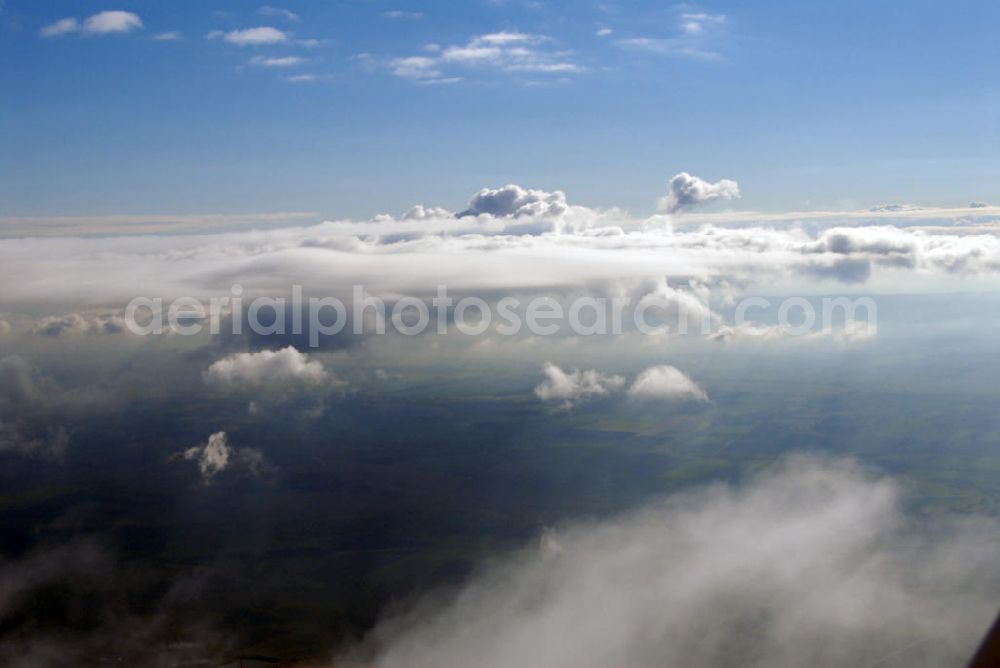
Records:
x=686, y=192
x=665, y=383
x=216, y=455
x=251, y=36
x=812, y=563
x=514, y=201
x=569, y=388
x=112, y=21
x=267, y=369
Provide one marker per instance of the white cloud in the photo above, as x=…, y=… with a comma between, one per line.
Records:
x=217, y=455
x=277, y=61
x=112, y=21
x=402, y=15
x=421, y=212
x=569, y=388
x=251, y=36
x=171, y=36
x=665, y=383
x=686, y=191
x=212, y=457
x=505, y=51
x=267, y=369
x=300, y=78
x=415, y=67
x=60, y=27
x=280, y=12
x=514, y=201
x=812, y=563
x=533, y=242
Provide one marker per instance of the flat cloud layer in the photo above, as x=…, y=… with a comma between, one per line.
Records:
x=511, y=240
x=810, y=564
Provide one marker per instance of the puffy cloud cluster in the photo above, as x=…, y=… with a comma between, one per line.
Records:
x=514, y=201
x=657, y=383
x=813, y=563
x=216, y=455
x=686, y=192
x=571, y=387
x=75, y=323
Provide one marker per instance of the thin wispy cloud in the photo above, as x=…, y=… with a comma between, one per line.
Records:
x=279, y=12
x=60, y=27
x=250, y=36
x=280, y=61
x=401, y=15
x=504, y=51
x=696, y=37
x=171, y=36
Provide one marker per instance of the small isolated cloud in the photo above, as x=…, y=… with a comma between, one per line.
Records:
x=60, y=27
x=267, y=369
x=603, y=32
x=573, y=386
x=171, y=36
x=514, y=201
x=280, y=12
x=811, y=563
x=302, y=78
x=665, y=383
x=217, y=455
x=401, y=15
x=112, y=21
x=686, y=192
x=251, y=36
x=277, y=61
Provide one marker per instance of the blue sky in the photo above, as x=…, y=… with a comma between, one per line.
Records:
x=807, y=105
